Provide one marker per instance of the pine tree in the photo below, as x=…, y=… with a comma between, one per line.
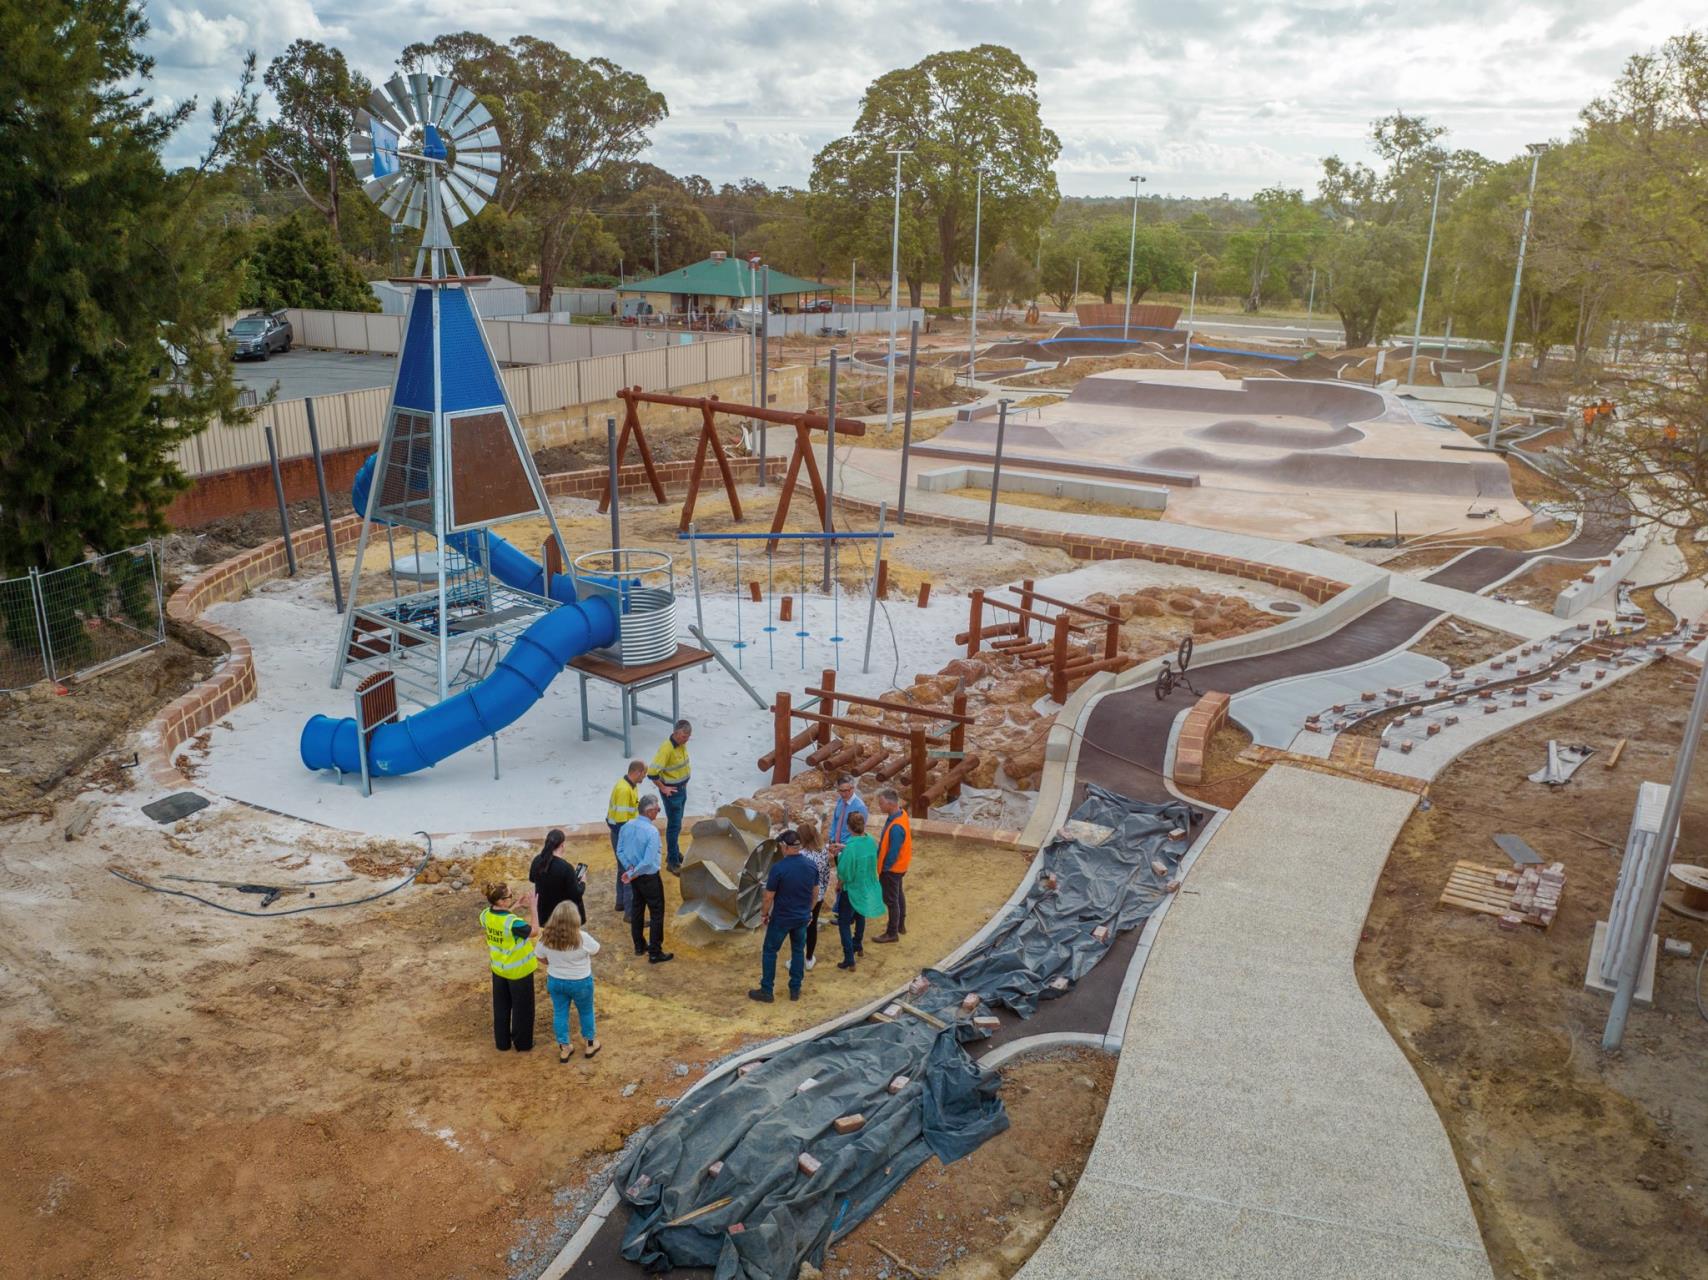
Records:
x=297, y=263
x=115, y=265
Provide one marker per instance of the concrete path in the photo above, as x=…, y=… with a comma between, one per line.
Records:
x=1263, y=1123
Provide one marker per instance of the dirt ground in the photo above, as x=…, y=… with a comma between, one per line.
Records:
x=1459, y=643
x=1579, y=1164
x=1540, y=584
x=984, y=1216
x=194, y=1094
x=1049, y=502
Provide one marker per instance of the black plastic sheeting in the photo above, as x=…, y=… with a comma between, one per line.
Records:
x=759, y=1124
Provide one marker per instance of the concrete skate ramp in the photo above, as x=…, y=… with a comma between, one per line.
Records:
x=1346, y=471
x=981, y=431
x=1331, y=402
x=1271, y=436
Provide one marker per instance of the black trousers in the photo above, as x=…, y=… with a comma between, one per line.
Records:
x=648, y=893
x=812, y=930
x=513, y=1012
x=895, y=900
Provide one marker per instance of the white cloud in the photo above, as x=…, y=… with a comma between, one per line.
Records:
x=1229, y=96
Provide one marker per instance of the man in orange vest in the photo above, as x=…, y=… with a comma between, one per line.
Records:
x=895, y=855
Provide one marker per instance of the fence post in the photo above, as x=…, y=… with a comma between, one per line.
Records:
x=918, y=765
x=325, y=507
x=827, y=704
x=279, y=497
x=40, y=601
x=1058, y=660
x=975, y=620
x=780, y=737
x=159, y=593
x=957, y=742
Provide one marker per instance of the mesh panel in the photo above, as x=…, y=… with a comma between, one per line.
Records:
x=488, y=479
x=406, y=477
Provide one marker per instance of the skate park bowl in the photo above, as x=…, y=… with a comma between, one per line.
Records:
x=724, y=870
x=1276, y=456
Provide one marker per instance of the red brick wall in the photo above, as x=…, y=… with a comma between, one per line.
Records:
x=1083, y=546
x=1207, y=715
x=229, y=493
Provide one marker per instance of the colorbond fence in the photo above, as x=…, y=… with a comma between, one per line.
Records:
x=354, y=418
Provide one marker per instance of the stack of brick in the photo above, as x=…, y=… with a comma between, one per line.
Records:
x=1207, y=715
x=1535, y=894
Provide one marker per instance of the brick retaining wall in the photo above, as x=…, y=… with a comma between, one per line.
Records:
x=1207, y=715
x=1083, y=546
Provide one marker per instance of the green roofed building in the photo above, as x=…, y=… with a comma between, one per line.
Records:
x=720, y=285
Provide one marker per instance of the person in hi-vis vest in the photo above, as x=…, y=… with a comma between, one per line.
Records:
x=670, y=769
x=510, y=948
x=622, y=807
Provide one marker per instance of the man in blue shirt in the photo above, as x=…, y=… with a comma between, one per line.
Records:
x=637, y=856
x=791, y=890
x=847, y=801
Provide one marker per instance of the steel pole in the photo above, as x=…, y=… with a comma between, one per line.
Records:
x=326, y=509
x=1132, y=246
x=829, y=468
x=1191, y=317
x=996, y=467
x=611, y=485
x=764, y=360
x=1311, y=307
x=1422, y=289
x=1649, y=905
x=872, y=600
x=973, y=340
x=1075, y=304
x=1512, y=307
x=279, y=497
x=907, y=418
x=895, y=298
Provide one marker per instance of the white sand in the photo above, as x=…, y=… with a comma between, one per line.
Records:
x=547, y=774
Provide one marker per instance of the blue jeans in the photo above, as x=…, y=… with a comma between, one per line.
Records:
x=565, y=992
x=622, y=889
x=851, y=925
x=674, y=807
x=774, y=935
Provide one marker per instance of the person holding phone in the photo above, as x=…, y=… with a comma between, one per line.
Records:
x=510, y=948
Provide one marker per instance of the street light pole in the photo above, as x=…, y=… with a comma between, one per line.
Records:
x=1191, y=316
x=1422, y=289
x=978, y=214
x=895, y=295
x=1311, y=306
x=1132, y=245
x=1536, y=149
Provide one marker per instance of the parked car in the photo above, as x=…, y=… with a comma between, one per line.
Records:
x=257, y=337
x=635, y=311
x=819, y=306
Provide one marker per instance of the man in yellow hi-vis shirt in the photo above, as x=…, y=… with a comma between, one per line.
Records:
x=670, y=769
x=624, y=804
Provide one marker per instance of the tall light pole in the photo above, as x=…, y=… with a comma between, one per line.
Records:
x=1422, y=289
x=1132, y=245
x=1311, y=306
x=1191, y=317
x=973, y=341
x=895, y=293
x=1536, y=149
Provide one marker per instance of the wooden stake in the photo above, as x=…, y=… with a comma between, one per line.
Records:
x=1618, y=750
x=702, y=1211
x=924, y=594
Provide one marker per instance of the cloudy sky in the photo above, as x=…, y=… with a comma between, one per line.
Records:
x=1207, y=97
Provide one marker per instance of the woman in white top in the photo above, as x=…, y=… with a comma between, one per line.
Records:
x=568, y=950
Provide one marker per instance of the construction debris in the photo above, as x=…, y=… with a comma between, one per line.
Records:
x=1529, y=895
x=1563, y=762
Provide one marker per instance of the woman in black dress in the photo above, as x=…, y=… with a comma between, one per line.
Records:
x=555, y=878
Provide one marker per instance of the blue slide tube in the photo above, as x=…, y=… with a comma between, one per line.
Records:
x=519, y=681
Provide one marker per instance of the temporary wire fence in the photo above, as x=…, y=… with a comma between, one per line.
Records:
x=69, y=623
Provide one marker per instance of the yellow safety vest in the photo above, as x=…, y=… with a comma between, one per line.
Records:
x=625, y=803
x=512, y=957
x=670, y=765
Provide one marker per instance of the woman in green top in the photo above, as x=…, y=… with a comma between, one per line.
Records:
x=857, y=891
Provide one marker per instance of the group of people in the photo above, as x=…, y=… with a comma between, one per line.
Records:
x=861, y=873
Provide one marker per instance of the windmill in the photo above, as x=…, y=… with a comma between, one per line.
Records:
x=427, y=153
x=452, y=460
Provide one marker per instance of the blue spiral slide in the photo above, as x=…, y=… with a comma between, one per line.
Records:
x=519, y=681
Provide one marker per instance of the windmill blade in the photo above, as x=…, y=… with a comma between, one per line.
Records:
x=362, y=136
x=480, y=180
x=415, y=211
x=364, y=167
x=398, y=93
x=420, y=91
x=381, y=108
x=439, y=98
x=394, y=206
x=455, y=212
x=470, y=198
x=485, y=139
x=462, y=102
x=377, y=188
x=478, y=118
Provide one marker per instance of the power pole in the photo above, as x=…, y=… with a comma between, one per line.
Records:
x=652, y=211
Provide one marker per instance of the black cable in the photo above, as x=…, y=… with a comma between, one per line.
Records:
x=268, y=915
